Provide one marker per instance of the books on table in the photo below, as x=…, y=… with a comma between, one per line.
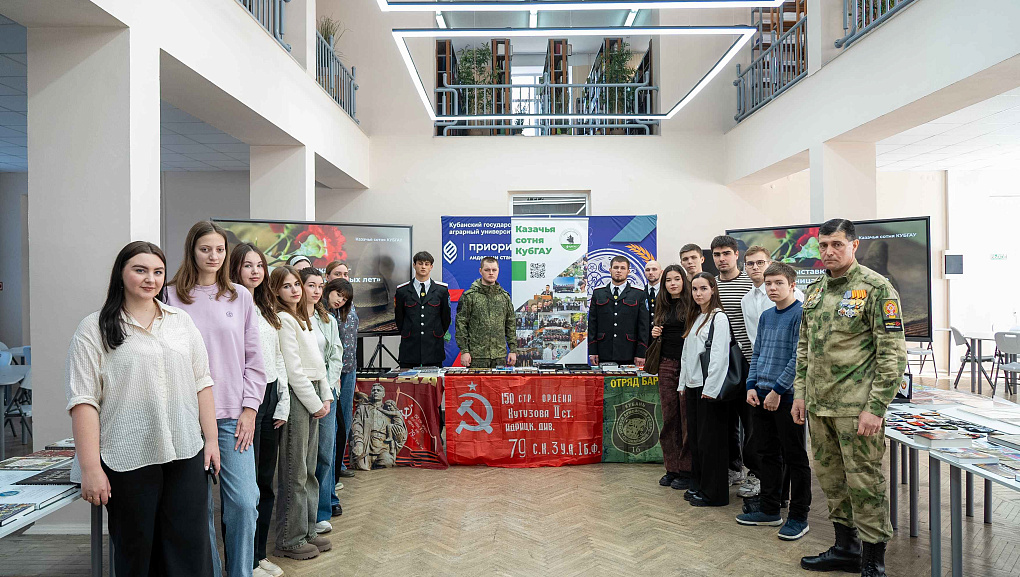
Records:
x=39, y=496
x=1011, y=441
x=55, y=476
x=966, y=456
x=941, y=439
x=12, y=512
x=32, y=463
x=67, y=443
x=997, y=469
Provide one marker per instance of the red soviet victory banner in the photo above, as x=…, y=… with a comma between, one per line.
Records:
x=523, y=420
x=418, y=400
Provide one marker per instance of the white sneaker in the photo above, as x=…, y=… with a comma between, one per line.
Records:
x=736, y=477
x=271, y=568
x=323, y=527
x=339, y=486
x=259, y=572
x=751, y=487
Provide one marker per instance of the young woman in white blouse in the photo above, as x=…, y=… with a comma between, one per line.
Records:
x=248, y=268
x=327, y=336
x=311, y=397
x=706, y=418
x=140, y=397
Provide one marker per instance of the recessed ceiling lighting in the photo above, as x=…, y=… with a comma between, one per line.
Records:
x=400, y=36
x=560, y=5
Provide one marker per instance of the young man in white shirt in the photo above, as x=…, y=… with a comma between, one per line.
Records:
x=755, y=302
x=692, y=258
x=653, y=273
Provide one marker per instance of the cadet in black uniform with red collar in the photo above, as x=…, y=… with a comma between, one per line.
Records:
x=618, y=322
x=422, y=310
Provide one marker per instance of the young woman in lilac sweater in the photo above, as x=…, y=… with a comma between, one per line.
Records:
x=225, y=315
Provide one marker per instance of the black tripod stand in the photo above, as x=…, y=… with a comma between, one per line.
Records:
x=380, y=349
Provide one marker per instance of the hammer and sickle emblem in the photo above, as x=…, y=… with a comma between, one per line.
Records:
x=465, y=409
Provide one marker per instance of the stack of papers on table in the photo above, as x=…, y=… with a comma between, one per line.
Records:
x=967, y=456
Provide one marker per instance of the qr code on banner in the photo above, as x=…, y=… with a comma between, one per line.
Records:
x=537, y=270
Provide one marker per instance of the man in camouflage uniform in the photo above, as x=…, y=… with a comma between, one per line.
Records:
x=850, y=359
x=486, y=323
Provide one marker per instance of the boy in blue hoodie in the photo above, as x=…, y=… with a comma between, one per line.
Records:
x=780, y=441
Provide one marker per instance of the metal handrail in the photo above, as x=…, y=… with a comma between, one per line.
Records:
x=772, y=73
x=270, y=14
x=863, y=16
x=334, y=77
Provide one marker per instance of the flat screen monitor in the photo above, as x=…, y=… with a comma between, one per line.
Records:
x=379, y=257
x=899, y=249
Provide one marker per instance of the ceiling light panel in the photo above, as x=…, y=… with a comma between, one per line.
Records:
x=559, y=5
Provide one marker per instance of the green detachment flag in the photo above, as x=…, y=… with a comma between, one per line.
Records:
x=632, y=417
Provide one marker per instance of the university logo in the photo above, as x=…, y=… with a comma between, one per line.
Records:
x=570, y=239
x=635, y=430
x=449, y=252
x=467, y=410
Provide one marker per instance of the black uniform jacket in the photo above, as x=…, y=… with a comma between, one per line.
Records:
x=618, y=328
x=422, y=323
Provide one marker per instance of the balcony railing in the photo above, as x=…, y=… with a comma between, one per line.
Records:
x=334, y=77
x=775, y=70
x=863, y=16
x=609, y=108
x=270, y=14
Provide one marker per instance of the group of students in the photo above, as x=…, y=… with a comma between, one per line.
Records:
x=698, y=317
x=153, y=434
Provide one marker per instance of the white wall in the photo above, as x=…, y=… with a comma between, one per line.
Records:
x=983, y=211
x=189, y=197
x=14, y=330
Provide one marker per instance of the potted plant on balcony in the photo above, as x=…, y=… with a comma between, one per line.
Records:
x=616, y=69
x=331, y=31
x=474, y=68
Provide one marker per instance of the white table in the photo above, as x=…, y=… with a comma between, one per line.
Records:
x=9, y=376
x=977, y=369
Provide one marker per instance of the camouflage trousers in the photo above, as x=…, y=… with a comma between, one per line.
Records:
x=849, y=469
x=477, y=363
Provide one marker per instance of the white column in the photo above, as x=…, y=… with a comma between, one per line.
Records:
x=825, y=26
x=93, y=163
x=299, y=32
x=282, y=182
x=843, y=181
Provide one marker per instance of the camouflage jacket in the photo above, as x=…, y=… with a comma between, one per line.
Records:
x=486, y=322
x=851, y=354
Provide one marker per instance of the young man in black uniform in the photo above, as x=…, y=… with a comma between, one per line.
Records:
x=618, y=320
x=653, y=272
x=422, y=310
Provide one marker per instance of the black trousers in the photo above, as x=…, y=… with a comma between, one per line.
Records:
x=707, y=426
x=783, y=451
x=267, y=448
x=159, y=519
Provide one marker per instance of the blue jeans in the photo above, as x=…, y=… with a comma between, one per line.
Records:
x=325, y=466
x=239, y=499
x=347, y=382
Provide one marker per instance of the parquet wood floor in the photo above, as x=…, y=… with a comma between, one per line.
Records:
x=591, y=521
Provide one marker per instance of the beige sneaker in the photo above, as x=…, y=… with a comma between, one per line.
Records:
x=301, y=552
x=322, y=543
x=259, y=572
x=271, y=568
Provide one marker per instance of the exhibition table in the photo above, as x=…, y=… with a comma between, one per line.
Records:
x=961, y=492
x=508, y=419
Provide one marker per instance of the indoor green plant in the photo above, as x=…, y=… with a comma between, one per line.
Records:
x=474, y=68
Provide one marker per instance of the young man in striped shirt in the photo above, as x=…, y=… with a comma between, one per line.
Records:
x=733, y=285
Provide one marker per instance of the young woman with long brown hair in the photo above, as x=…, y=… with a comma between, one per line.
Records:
x=305, y=371
x=224, y=313
x=706, y=419
x=672, y=305
x=141, y=400
x=339, y=297
x=327, y=335
x=248, y=268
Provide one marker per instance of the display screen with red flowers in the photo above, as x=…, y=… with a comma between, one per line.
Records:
x=899, y=249
x=379, y=257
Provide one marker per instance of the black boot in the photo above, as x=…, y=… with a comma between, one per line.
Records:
x=845, y=555
x=873, y=560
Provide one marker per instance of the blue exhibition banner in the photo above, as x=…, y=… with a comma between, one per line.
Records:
x=467, y=239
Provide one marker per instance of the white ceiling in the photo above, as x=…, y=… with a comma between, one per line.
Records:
x=983, y=135
x=186, y=143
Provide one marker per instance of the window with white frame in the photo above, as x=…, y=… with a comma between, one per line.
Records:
x=549, y=203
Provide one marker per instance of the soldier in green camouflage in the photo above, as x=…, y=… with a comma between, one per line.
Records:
x=486, y=323
x=850, y=360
